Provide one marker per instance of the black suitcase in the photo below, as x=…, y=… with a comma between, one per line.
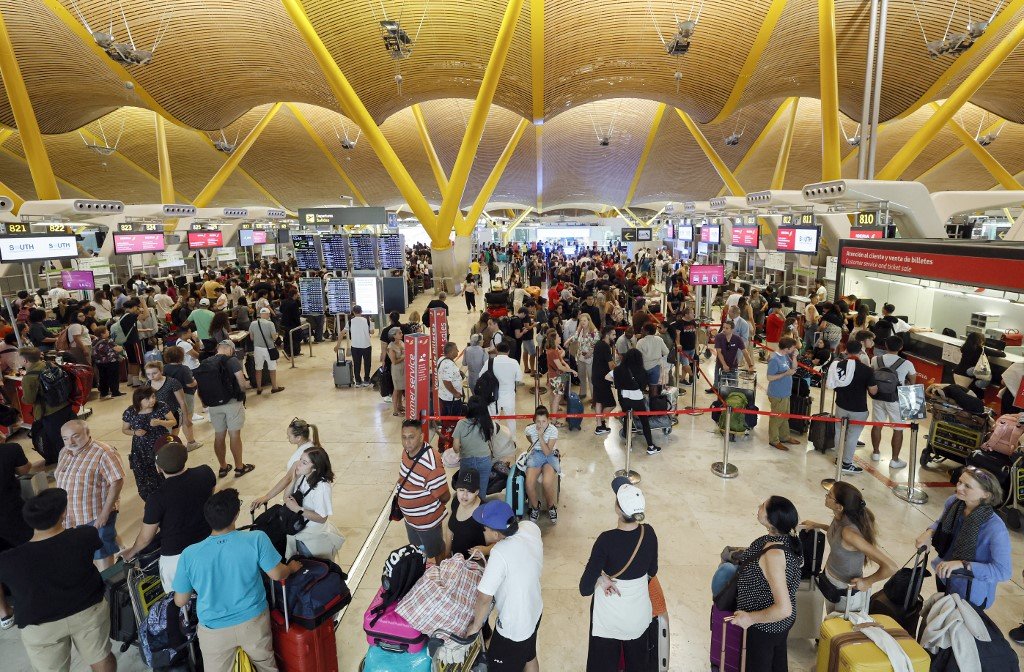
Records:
x=996, y=654
x=813, y=544
x=900, y=597
x=799, y=406
x=997, y=464
x=822, y=434
x=250, y=372
x=123, y=627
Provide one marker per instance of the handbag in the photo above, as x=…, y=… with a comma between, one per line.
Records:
x=830, y=591
x=396, y=511
x=272, y=352
x=727, y=597
x=983, y=370
x=294, y=521
x=658, y=606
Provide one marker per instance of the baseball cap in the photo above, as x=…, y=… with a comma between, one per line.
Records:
x=469, y=479
x=264, y=311
x=630, y=498
x=171, y=457
x=204, y=302
x=494, y=514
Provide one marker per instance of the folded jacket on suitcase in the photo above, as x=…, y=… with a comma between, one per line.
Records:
x=868, y=649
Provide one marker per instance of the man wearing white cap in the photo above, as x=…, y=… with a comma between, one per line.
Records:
x=263, y=333
x=201, y=318
x=621, y=564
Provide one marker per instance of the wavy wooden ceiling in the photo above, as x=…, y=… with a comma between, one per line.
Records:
x=221, y=63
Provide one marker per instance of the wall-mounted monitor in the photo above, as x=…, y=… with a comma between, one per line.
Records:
x=203, y=240
x=250, y=237
x=34, y=248
x=307, y=257
x=711, y=234
x=77, y=280
x=713, y=274
x=869, y=232
x=133, y=243
x=798, y=239
x=684, y=232
x=746, y=236
x=335, y=246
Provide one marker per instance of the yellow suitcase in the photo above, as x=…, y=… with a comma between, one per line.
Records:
x=843, y=648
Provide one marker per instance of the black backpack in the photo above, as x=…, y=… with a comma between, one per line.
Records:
x=883, y=329
x=487, y=386
x=402, y=570
x=55, y=385
x=887, y=379
x=217, y=385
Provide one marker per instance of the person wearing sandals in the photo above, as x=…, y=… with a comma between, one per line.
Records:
x=559, y=371
x=542, y=462
x=622, y=563
x=263, y=335
x=396, y=354
x=171, y=392
x=852, y=542
x=228, y=419
x=630, y=380
x=303, y=435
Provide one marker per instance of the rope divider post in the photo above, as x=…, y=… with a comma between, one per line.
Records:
x=844, y=427
x=908, y=493
x=723, y=469
x=633, y=476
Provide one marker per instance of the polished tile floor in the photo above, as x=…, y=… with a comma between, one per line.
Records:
x=694, y=512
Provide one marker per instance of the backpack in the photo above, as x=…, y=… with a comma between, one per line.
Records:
x=840, y=376
x=487, y=386
x=63, y=342
x=216, y=384
x=402, y=570
x=737, y=421
x=1006, y=435
x=315, y=593
x=117, y=333
x=55, y=385
x=887, y=379
x=883, y=329
x=161, y=639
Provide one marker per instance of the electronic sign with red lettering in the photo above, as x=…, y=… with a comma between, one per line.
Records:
x=199, y=240
x=798, y=239
x=131, y=243
x=867, y=232
x=746, y=236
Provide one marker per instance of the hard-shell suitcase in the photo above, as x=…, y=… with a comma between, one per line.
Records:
x=810, y=611
x=728, y=643
x=81, y=377
x=574, y=406
x=842, y=646
x=390, y=631
x=297, y=649
x=32, y=485
x=342, y=370
x=123, y=627
x=658, y=640
x=799, y=406
x=822, y=434
x=515, y=490
x=250, y=372
x=381, y=660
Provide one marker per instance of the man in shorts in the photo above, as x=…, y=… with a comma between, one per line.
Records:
x=228, y=419
x=422, y=491
x=888, y=409
x=511, y=582
x=58, y=591
x=264, y=338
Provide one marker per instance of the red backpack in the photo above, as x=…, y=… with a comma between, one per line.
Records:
x=1006, y=436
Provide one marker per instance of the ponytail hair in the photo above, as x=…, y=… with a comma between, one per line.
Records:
x=855, y=509
x=307, y=431
x=783, y=516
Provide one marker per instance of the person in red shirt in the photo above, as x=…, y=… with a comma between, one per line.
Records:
x=773, y=326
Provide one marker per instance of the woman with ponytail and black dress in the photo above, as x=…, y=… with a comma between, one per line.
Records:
x=852, y=542
x=769, y=575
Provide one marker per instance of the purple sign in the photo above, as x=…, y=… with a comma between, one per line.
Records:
x=77, y=280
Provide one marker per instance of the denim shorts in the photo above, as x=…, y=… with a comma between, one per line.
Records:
x=108, y=537
x=654, y=375
x=537, y=459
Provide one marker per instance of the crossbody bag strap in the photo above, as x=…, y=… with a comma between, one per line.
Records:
x=636, y=550
x=264, y=335
x=415, y=461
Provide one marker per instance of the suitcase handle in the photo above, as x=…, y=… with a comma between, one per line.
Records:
x=743, y=652
x=342, y=354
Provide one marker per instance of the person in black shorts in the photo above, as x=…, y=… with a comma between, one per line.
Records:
x=604, y=362
x=14, y=531
x=685, y=328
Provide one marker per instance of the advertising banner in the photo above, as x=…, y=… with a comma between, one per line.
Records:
x=707, y=274
x=965, y=270
x=417, y=376
x=438, y=338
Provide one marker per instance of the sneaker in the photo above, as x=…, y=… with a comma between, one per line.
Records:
x=861, y=444
x=602, y=429
x=386, y=400
x=105, y=397
x=897, y=464
x=875, y=457
x=198, y=417
x=7, y=622
x=553, y=515
x=534, y=515
x=653, y=450
x=849, y=468
x=1017, y=634
x=194, y=445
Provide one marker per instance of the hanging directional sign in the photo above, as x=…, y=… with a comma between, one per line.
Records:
x=629, y=235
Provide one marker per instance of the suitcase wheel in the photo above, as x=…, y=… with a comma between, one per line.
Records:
x=1013, y=518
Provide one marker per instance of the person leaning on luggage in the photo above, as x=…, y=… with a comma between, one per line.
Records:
x=58, y=590
x=852, y=542
x=781, y=368
x=225, y=572
x=768, y=577
x=970, y=536
x=621, y=564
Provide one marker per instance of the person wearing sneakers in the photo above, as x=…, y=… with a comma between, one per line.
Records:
x=542, y=462
x=622, y=563
x=359, y=330
x=511, y=583
x=852, y=382
x=264, y=350
x=891, y=371
x=604, y=362
x=781, y=368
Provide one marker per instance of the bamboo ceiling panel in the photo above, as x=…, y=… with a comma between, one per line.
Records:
x=1001, y=93
x=756, y=174
x=1008, y=148
x=193, y=160
x=612, y=49
x=519, y=183
x=449, y=54
x=962, y=173
x=14, y=173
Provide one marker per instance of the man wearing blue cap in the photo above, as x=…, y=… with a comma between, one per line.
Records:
x=511, y=582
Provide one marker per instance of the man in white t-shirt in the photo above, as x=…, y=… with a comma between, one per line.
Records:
x=359, y=330
x=188, y=342
x=449, y=380
x=508, y=373
x=511, y=582
x=888, y=409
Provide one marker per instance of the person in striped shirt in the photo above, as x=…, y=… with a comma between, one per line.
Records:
x=422, y=492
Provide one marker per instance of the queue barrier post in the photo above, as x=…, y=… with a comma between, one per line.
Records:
x=844, y=427
x=908, y=493
x=291, y=341
x=633, y=476
x=723, y=469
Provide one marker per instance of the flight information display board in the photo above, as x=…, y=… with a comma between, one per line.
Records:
x=335, y=251
x=201, y=240
x=392, y=251
x=798, y=239
x=250, y=237
x=77, y=280
x=364, y=257
x=311, y=293
x=684, y=232
x=339, y=296
x=306, y=255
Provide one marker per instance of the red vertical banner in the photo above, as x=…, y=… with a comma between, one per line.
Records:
x=417, y=376
x=1018, y=399
x=438, y=338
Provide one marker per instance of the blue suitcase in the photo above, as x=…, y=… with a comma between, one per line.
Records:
x=515, y=490
x=574, y=406
x=381, y=660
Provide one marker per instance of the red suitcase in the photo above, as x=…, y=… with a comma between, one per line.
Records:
x=81, y=375
x=297, y=649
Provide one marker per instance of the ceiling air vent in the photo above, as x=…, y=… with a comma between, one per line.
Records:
x=98, y=207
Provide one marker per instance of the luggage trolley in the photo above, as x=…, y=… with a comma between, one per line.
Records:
x=471, y=649
x=954, y=433
x=145, y=590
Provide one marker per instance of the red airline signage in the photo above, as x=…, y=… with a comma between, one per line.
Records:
x=417, y=376
x=130, y=243
x=867, y=232
x=203, y=239
x=707, y=275
x=710, y=234
x=800, y=239
x=745, y=236
x=972, y=271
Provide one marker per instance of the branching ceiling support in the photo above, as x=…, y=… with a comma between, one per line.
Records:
x=984, y=157
x=648, y=145
x=221, y=176
x=831, y=155
x=782, y=162
x=492, y=181
x=318, y=141
x=716, y=161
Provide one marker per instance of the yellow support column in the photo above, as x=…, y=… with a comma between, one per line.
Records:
x=477, y=119
x=466, y=227
x=163, y=159
x=831, y=155
x=355, y=110
x=984, y=157
x=924, y=135
x=723, y=170
x=651, y=134
x=507, y=233
x=782, y=162
x=25, y=117
x=537, y=58
x=235, y=158
x=318, y=141
x=428, y=147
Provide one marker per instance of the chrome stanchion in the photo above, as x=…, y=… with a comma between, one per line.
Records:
x=291, y=342
x=908, y=493
x=824, y=390
x=694, y=365
x=723, y=469
x=844, y=427
x=633, y=476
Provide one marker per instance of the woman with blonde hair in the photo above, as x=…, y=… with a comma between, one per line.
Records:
x=303, y=435
x=585, y=337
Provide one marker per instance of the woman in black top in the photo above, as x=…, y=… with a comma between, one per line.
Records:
x=768, y=577
x=467, y=533
x=630, y=380
x=970, y=353
x=621, y=564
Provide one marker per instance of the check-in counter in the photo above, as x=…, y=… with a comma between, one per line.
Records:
x=933, y=356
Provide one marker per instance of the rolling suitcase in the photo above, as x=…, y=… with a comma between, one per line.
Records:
x=32, y=485
x=822, y=434
x=381, y=660
x=728, y=643
x=799, y=406
x=297, y=649
x=250, y=372
x=842, y=646
x=900, y=597
x=390, y=631
x=342, y=370
x=515, y=490
x=81, y=377
x=658, y=640
x=810, y=603
x=123, y=627
x=574, y=406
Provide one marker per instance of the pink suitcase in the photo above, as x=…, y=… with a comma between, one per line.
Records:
x=390, y=631
x=728, y=643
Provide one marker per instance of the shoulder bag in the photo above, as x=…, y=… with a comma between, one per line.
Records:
x=272, y=352
x=396, y=510
x=727, y=598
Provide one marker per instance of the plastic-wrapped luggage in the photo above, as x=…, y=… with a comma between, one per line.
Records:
x=844, y=646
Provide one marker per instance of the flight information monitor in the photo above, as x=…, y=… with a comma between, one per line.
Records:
x=685, y=232
x=306, y=255
x=311, y=293
x=77, y=280
x=707, y=274
x=130, y=243
x=335, y=251
x=363, y=256
x=798, y=239
x=339, y=296
x=711, y=234
x=392, y=251
x=201, y=240
x=250, y=237
x=745, y=236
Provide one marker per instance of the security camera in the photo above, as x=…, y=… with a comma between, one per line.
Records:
x=104, y=40
x=604, y=141
x=348, y=144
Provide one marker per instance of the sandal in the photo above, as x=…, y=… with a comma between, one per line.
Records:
x=246, y=468
x=223, y=471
